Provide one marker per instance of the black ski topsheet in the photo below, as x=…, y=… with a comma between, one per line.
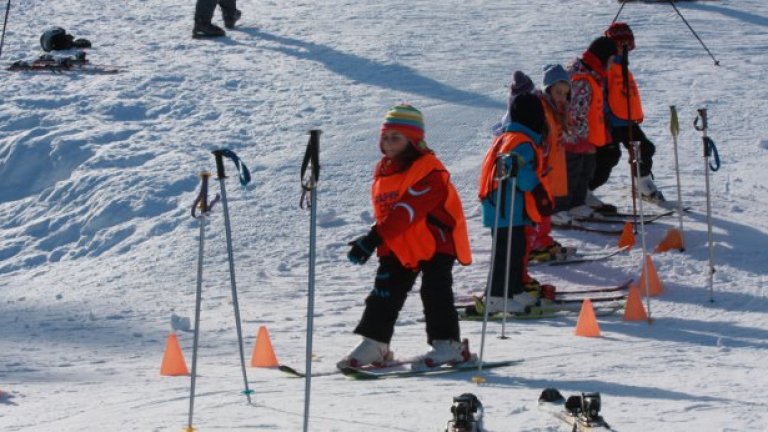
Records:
x=617, y=218
x=405, y=371
x=399, y=369
x=589, y=227
x=582, y=257
x=591, y=292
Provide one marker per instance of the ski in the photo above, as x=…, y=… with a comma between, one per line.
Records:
x=580, y=412
x=580, y=257
x=407, y=372
x=299, y=374
x=84, y=68
x=585, y=292
x=60, y=64
x=602, y=308
x=618, y=218
x=583, y=226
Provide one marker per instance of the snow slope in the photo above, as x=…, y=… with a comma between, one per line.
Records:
x=98, y=251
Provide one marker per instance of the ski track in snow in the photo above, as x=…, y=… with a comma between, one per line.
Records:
x=98, y=250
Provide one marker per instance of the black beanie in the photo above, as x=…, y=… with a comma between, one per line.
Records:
x=526, y=109
x=603, y=48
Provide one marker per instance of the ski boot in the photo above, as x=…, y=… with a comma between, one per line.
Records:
x=367, y=352
x=445, y=351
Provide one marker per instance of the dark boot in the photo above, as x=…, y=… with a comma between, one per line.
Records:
x=231, y=19
x=207, y=30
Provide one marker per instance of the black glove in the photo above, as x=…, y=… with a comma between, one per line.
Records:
x=363, y=247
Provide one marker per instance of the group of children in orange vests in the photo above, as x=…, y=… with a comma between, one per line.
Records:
x=558, y=144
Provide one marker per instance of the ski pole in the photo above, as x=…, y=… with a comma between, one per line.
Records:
x=636, y=151
x=674, y=127
x=500, y=175
x=5, y=23
x=512, y=176
x=672, y=3
x=708, y=147
x=205, y=207
x=245, y=177
x=309, y=196
x=630, y=128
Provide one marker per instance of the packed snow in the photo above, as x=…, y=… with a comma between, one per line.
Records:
x=98, y=252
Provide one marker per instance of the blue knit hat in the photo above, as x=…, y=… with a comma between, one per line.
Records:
x=554, y=73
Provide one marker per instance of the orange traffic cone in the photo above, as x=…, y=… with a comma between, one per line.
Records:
x=627, y=238
x=263, y=353
x=634, y=309
x=673, y=240
x=173, y=359
x=587, y=323
x=654, y=283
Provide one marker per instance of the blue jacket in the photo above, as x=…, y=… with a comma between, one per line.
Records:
x=527, y=180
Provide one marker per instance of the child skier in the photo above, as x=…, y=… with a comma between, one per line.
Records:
x=555, y=99
x=587, y=112
x=420, y=228
x=520, y=138
x=624, y=117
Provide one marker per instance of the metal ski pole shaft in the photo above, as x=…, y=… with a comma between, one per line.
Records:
x=218, y=154
x=309, y=186
x=674, y=127
x=512, y=176
x=646, y=278
x=204, y=206
x=717, y=62
x=500, y=176
x=630, y=129
x=5, y=24
x=705, y=140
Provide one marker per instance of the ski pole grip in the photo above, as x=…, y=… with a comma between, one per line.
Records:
x=219, y=156
x=703, y=116
x=674, y=124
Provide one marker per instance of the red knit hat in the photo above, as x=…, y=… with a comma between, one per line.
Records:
x=621, y=34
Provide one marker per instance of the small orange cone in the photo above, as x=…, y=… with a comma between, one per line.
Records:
x=587, y=324
x=673, y=240
x=654, y=283
x=263, y=353
x=173, y=359
x=634, y=309
x=627, y=238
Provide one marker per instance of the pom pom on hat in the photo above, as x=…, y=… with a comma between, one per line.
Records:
x=603, y=48
x=521, y=84
x=409, y=121
x=553, y=74
x=621, y=34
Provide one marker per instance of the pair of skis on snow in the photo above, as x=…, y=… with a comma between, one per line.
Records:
x=77, y=63
x=402, y=369
x=606, y=300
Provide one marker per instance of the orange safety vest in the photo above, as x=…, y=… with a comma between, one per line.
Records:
x=617, y=95
x=506, y=143
x=417, y=243
x=557, y=177
x=596, y=115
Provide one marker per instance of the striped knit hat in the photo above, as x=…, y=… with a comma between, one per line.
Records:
x=408, y=121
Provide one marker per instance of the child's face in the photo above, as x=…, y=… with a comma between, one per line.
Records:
x=393, y=143
x=559, y=93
